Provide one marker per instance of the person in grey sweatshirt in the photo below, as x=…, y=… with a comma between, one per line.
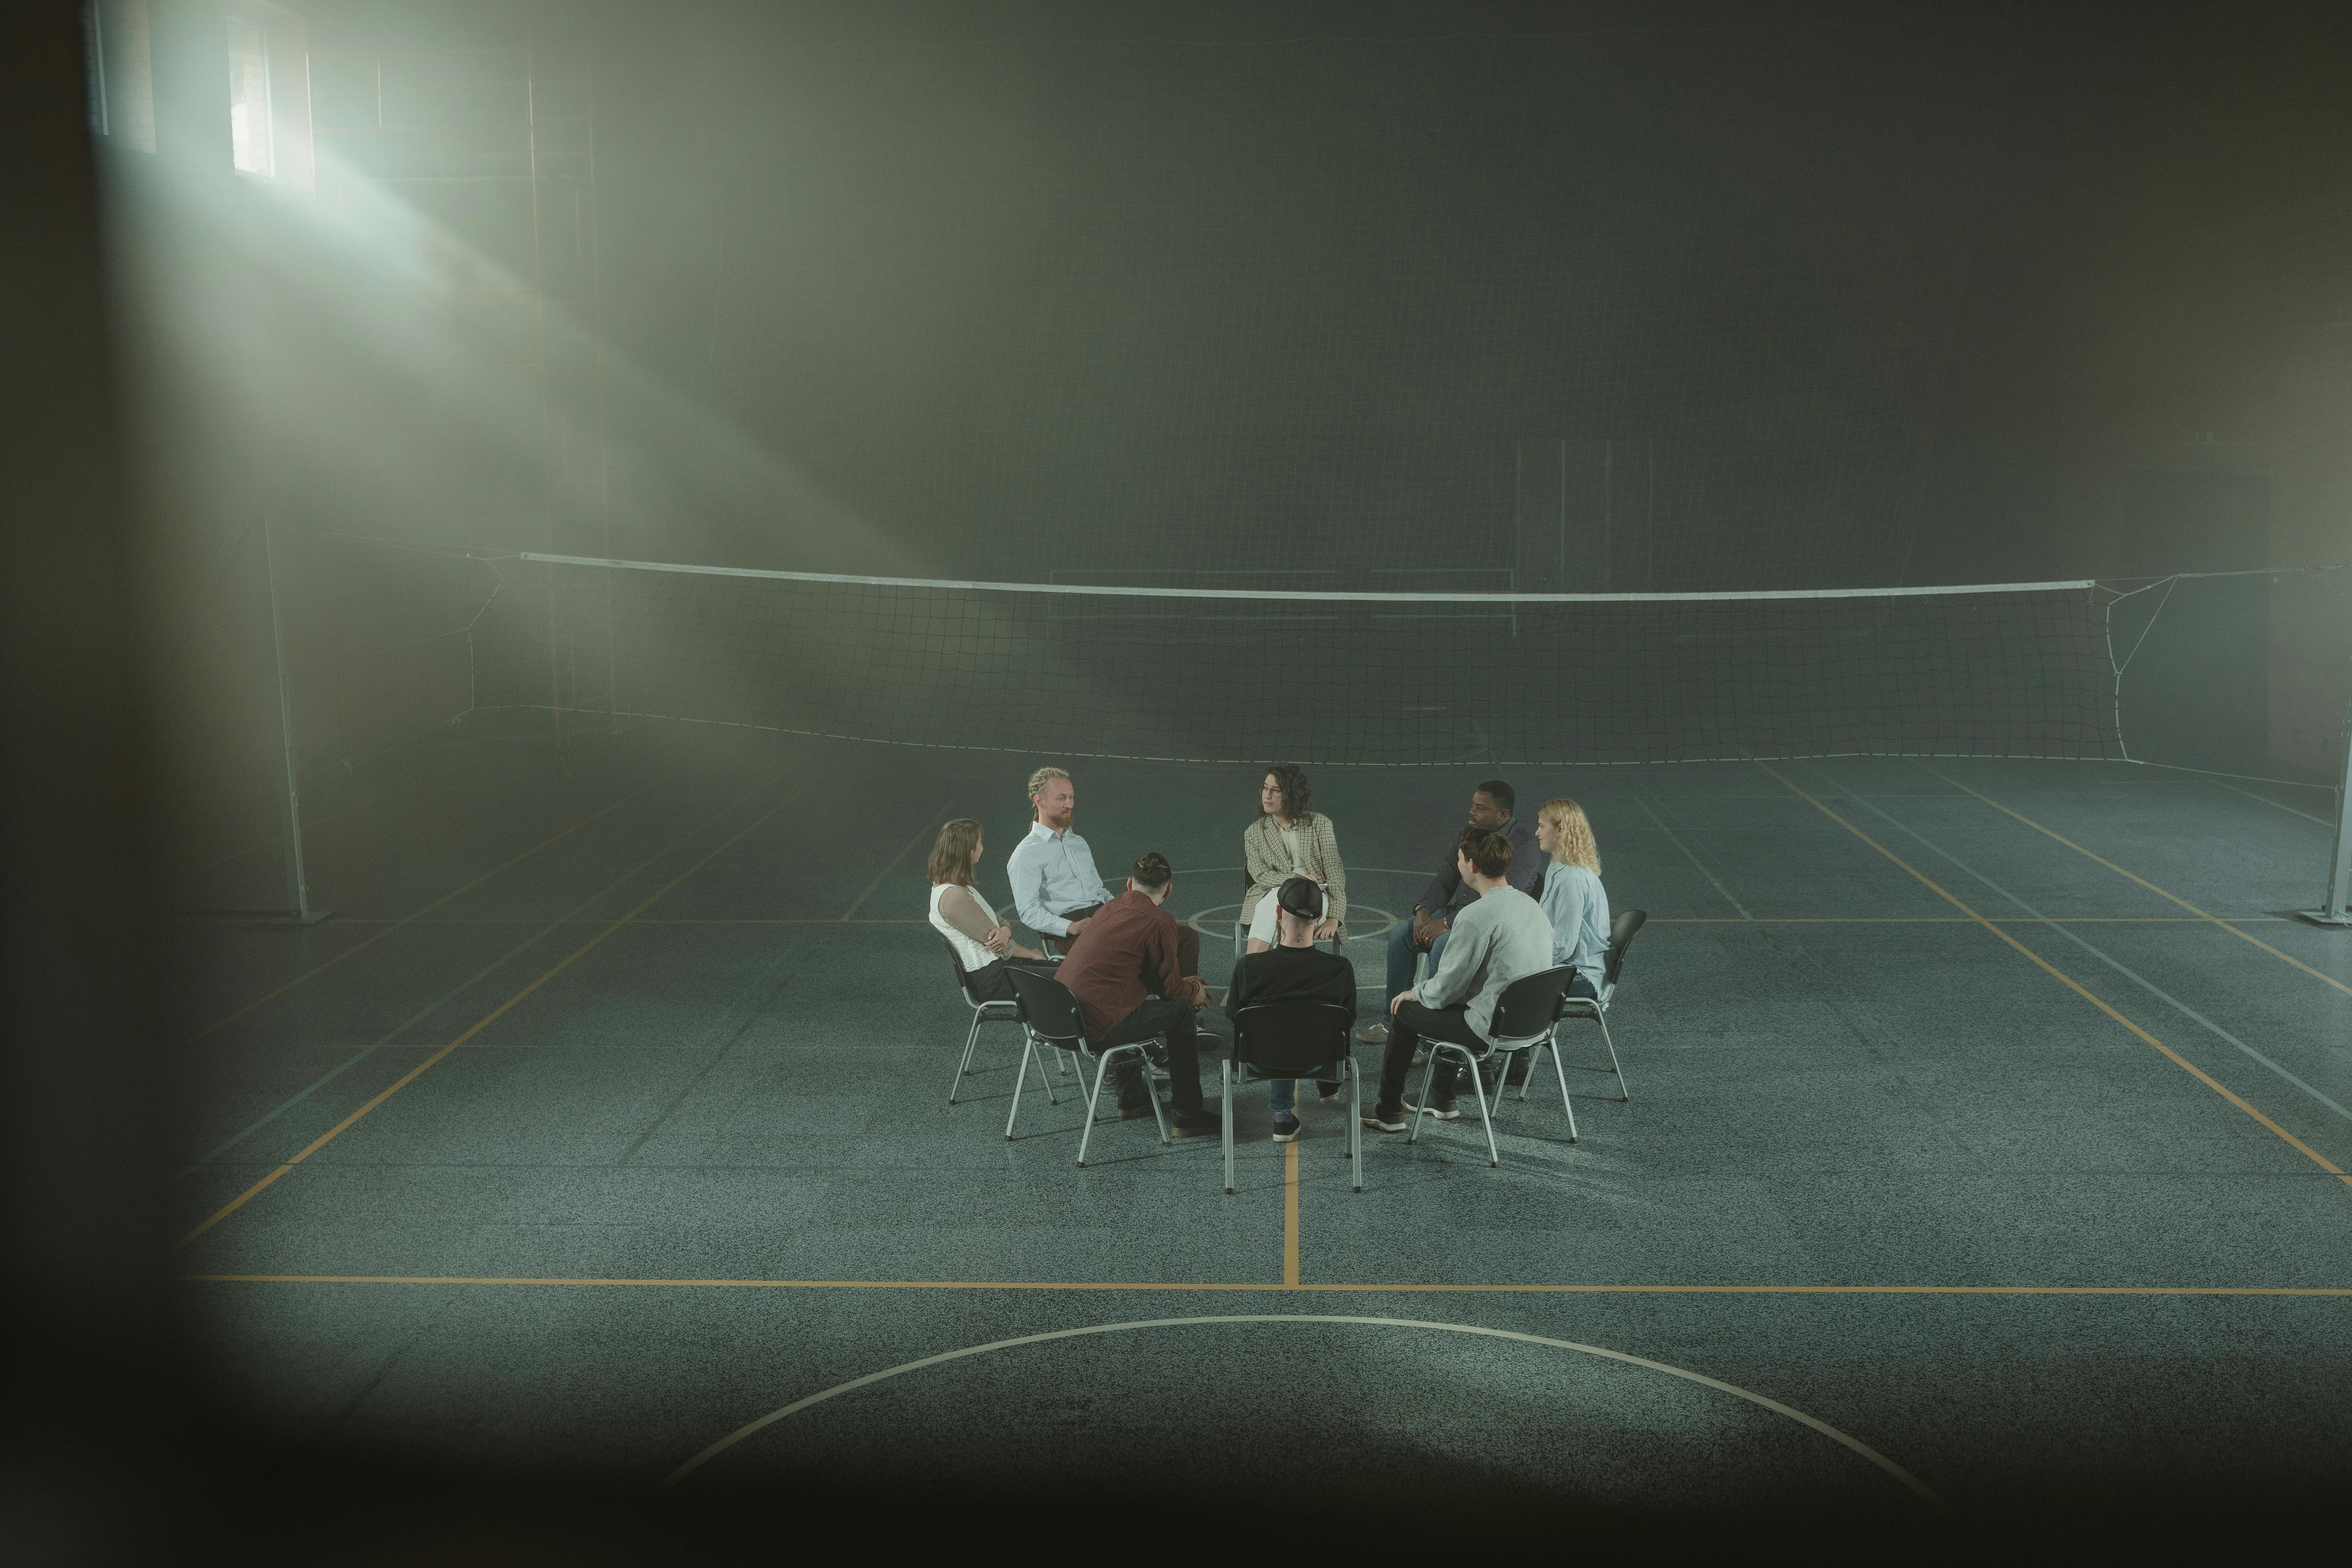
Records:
x=1502, y=937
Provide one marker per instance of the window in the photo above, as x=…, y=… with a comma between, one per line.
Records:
x=269, y=95
x=248, y=99
x=121, y=75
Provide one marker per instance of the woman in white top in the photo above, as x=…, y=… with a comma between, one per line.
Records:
x=983, y=945
x=1573, y=894
x=1289, y=838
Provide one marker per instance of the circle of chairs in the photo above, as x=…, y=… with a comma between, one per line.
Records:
x=1276, y=1039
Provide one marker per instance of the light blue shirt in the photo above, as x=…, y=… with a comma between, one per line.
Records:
x=1579, y=909
x=1053, y=873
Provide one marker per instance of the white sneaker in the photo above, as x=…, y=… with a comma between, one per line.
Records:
x=1373, y=1035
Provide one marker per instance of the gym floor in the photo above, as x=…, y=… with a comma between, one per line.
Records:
x=1986, y=1143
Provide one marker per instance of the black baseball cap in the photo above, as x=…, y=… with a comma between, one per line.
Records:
x=1302, y=895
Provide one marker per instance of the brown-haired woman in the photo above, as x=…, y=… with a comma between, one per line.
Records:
x=1289, y=838
x=982, y=944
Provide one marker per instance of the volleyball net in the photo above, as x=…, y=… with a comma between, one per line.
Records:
x=1404, y=677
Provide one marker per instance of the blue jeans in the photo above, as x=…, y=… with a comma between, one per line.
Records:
x=1401, y=955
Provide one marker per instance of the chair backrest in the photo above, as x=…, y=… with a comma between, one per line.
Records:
x=1291, y=1036
x=1527, y=1006
x=1622, y=932
x=1047, y=1007
x=962, y=975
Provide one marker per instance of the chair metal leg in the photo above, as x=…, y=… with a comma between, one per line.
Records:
x=1503, y=1061
x=1421, y=1106
x=1225, y=1082
x=1533, y=1052
x=1622, y=1093
x=963, y=1063
x=1356, y=1121
x=1158, y=1112
x=1492, y=1156
x=1561, y=1073
x=1102, y=1067
x=1028, y=1049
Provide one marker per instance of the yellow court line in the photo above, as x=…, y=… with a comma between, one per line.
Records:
x=411, y=919
x=1290, y=1216
x=1538, y=1290
x=488, y=1018
x=2143, y=881
x=2183, y=1063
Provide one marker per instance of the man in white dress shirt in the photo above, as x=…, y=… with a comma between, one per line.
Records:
x=1055, y=884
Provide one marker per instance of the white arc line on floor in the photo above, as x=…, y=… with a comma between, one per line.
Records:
x=1917, y=1487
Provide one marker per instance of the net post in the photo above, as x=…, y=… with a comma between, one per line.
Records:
x=297, y=885
x=2337, y=911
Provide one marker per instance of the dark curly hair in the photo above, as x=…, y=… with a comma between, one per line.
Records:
x=1297, y=799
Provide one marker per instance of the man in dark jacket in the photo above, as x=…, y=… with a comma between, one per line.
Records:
x=1293, y=970
x=1491, y=805
x=1126, y=970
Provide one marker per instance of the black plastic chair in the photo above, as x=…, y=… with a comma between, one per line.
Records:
x=1297, y=1038
x=988, y=1012
x=1622, y=931
x=1526, y=1014
x=1050, y=1017
x=991, y=1010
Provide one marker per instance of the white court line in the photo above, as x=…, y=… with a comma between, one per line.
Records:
x=1911, y=1482
x=1294, y=595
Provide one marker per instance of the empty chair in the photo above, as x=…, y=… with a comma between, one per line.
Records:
x=1050, y=1019
x=1622, y=931
x=1525, y=1015
x=1297, y=1038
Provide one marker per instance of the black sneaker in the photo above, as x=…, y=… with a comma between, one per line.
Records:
x=1383, y=1118
x=1285, y=1130
x=1129, y=1110
x=1195, y=1123
x=1328, y=1091
x=1441, y=1109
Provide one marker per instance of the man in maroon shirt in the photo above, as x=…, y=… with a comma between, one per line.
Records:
x=1126, y=971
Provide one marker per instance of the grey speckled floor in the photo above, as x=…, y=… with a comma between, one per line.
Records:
x=1880, y=1167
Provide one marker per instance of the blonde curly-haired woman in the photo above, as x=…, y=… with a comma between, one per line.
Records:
x=1572, y=895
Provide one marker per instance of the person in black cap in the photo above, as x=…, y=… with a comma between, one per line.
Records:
x=1293, y=970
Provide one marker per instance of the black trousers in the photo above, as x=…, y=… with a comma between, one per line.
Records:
x=1171, y=1020
x=987, y=983
x=1413, y=1022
